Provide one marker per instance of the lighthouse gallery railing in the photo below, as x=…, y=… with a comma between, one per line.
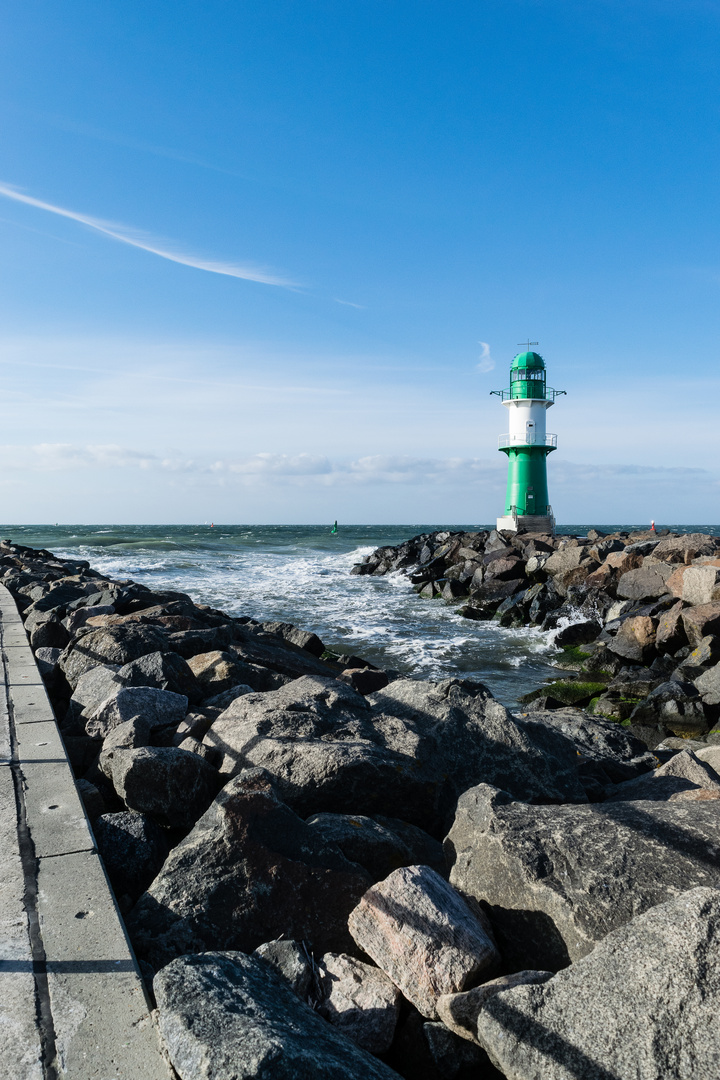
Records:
x=521, y=439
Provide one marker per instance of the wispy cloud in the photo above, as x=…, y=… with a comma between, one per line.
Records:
x=349, y=303
x=486, y=361
x=141, y=240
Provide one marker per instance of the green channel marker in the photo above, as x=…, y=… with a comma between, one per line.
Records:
x=527, y=445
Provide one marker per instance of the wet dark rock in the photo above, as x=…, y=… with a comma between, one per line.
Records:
x=364, y=680
x=249, y=872
x=578, y=633
x=302, y=638
x=556, y=880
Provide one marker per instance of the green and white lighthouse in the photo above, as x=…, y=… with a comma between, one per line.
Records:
x=527, y=445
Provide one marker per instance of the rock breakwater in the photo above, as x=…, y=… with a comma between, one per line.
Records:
x=330, y=871
x=636, y=615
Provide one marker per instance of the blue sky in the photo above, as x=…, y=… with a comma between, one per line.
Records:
x=371, y=203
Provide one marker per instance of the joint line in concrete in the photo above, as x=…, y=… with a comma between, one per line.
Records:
x=29, y=865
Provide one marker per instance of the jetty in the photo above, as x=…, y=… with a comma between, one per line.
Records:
x=232, y=851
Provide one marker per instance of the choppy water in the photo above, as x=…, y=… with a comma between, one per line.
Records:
x=301, y=574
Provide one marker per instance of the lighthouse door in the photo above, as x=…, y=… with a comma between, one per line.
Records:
x=530, y=431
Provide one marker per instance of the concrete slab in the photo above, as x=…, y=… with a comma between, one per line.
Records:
x=55, y=814
x=20, y=1046
x=103, y=1027
x=72, y=1004
x=39, y=742
x=21, y=667
x=31, y=705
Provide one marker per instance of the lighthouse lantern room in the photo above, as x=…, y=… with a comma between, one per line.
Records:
x=527, y=445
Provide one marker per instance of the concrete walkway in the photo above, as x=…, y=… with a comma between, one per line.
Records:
x=72, y=1004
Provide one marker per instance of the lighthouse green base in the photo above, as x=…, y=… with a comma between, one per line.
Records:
x=527, y=490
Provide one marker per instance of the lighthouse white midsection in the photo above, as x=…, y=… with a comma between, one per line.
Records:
x=527, y=420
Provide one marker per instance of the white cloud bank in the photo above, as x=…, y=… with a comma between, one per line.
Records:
x=147, y=243
x=263, y=468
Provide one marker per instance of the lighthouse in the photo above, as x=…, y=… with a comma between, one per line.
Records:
x=527, y=445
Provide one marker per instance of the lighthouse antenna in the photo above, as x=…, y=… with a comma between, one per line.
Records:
x=526, y=345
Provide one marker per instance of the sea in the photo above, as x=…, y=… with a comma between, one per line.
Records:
x=301, y=574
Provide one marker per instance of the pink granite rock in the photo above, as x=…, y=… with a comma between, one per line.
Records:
x=422, y=933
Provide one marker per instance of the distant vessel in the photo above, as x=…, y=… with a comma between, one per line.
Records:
x=527, y=445
x=334, y=529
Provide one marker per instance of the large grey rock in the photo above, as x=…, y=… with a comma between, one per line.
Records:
x=558, y=879
x=92, y=688
x=459, y=1012
x=160, y=707
x=249, y=872
x=683, y=772
x=164, y=671
x=407, y=751
x=618, y=753
x=228, y=1016
x=172, y=785
x=126, y=736
x=567, y=558
x=109, y=645
x=648, y=582
x=304, y=639
x=376, y=846
x=77, y=618
x=685, y=548
x=700, y=584
x=642, y=1006
x=423, y=935
x=359, y=1000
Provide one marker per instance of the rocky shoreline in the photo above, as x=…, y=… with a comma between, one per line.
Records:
x=639, y=616
x=329, y=871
